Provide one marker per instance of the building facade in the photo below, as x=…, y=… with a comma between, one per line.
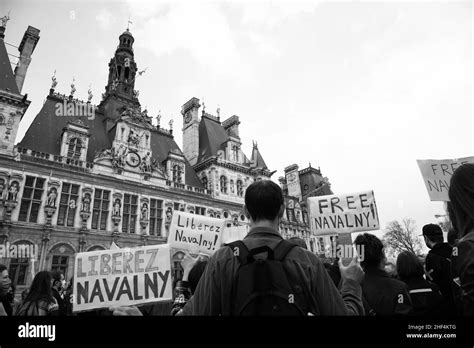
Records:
x=87, y=175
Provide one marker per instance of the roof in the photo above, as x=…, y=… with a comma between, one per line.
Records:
x=212, y=138
x=7, y=79
x=47, y=123
x=257, y=158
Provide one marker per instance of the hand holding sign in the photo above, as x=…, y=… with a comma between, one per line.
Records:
x=125, y=311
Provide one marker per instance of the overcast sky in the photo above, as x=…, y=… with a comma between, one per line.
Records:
x=360, y=89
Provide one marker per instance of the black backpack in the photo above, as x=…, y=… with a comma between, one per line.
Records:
x=262, y=286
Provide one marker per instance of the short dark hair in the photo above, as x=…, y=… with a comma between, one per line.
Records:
x=409, y=266
x=263, y=200
x=56, y=276
x=373, y=249
x=2, y=268
x=433, y=232
x=195, y=274
x=461, y=199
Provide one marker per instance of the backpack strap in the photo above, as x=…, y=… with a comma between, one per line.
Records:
x=243, y=251
x=282, y=249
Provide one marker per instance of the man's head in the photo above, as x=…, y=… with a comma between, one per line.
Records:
x=374, y=257
x=433, y=235
x=5, y=282
x=264, y=201
x=58, y=280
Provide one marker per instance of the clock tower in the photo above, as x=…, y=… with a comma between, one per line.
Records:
x=190, y=112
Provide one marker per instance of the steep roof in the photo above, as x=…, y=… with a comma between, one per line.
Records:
x=257, y=158
x=44, y=135
x=7, y=79
x=212, y=138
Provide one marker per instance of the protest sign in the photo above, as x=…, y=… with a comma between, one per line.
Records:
x=233, y=233
x=122, y=277
x=196, y=234
x=344, y=213
x=437, y=175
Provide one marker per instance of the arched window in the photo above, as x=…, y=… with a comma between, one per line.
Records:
x=119, y=72
x=240, y=188
x=74, y=149
x=204, y=182
x=127, y=73
x=235, y=153
x=177, y=174
x=223, y=184
x=2, y=119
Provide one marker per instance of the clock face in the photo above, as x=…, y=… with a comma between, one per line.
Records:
x=133, y=159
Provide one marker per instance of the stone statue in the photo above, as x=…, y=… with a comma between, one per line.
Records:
x=218, y=111
x=116, y=208
x=136, y=93
x=54, y=82
x=171, y=124
x=73, y=87
x=89, y=95
x=169, y=214
x=86, y=202
x=5, y=19
x=158, y=118
x=13, y=191
x=114, y=84
x=51, y=200
x=144, y=215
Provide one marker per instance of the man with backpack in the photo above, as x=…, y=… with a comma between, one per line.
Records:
x=265, y=275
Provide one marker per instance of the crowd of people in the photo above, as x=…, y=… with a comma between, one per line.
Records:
x=266, y=275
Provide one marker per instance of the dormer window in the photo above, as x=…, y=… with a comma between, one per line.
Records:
x=177, y=174
x=74, y=149
x=235, y=153
x=204, y=182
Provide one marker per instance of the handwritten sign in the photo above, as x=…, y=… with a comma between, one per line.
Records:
x=437, y=175
x=195, y=233
x=122, y=277
x=344, y=213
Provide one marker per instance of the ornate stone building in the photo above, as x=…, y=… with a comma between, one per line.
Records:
x=86, y=175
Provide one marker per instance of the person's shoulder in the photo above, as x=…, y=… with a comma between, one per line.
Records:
x=304, y=256
x=396, y=284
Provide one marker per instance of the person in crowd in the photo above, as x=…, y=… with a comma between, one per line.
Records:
x=193, y=269
x=298, y=241
x=382, y=294
x=425, y=295
x=5, y=286
x=217, y=289
x=438, y=265
x=452, y=237
x=40, y=300
x=461, y=214
x=58, y=286
x=264, y=206
x=68, y=296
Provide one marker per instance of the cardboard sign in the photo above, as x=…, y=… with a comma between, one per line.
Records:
x=437, y=175
x=122, y=277
x=344, y=213
x=233, y=233
x=196, y=234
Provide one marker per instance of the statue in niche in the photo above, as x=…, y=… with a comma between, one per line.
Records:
x=51, y=200
x=86, y=202
x=144, y=212
x=116, y=208
x=13, y=191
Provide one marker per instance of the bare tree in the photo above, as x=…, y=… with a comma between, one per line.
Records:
x=402, y=237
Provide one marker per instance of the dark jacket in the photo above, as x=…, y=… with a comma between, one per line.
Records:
x=5, y=301
x=425, y=296
x=182, y=294
x=385, y=295
x=438, y=269
x=61, y=303
x=213, y=293
x=462, y=269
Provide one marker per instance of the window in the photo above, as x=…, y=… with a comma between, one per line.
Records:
x=100, y=212
x=200, y=210
x=204, y=182
x=129, y=213
x=156, y=217
x=60, y=263
x=31, y=200
x=177, y=174
x=235, y=153
x=18, y=270
x=223, y=184
x=74, y=149
x=68, y=204
x=179, y=206
x=240, y=188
